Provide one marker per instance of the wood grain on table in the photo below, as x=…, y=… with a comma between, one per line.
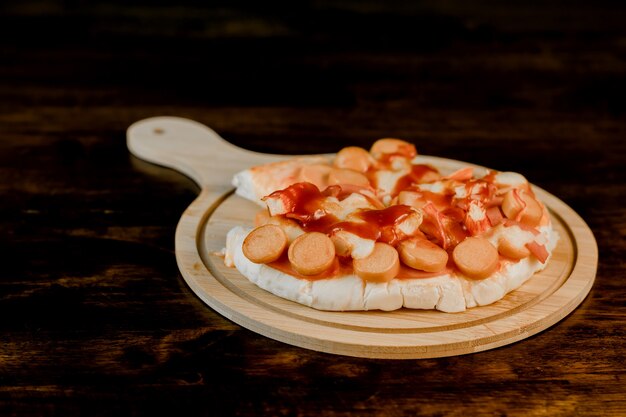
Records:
x=96, y=319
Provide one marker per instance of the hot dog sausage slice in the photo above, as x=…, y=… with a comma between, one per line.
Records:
x=392, y=146
x=422, y=254
x=510, y=250
x=476, y=257
x=382, y=265
x=265, y=244
x=311, y=253
x=521, y=206
x=354, y=158
x=532, y=213
x=347, y=176
x=512, y=204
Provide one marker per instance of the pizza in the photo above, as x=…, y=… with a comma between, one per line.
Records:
x=380, y=229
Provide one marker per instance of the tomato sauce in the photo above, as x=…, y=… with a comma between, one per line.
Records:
x=417, y=175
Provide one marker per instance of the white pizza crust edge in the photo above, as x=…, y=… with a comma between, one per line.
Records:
x=450, y=294
x=252, y=185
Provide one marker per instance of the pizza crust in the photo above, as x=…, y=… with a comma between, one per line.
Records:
x=448, y=293
x=254, y=183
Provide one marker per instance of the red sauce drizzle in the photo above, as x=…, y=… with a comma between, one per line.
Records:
x=442, y=201
x=387, y=216
x=321, y=224
x=490, y=177
x=418, y=172
x=300, y=199
x=303, y=201
x=384, y=220
x=407, y=151
x=364, y=230
x=377, y=224
x=444, y=220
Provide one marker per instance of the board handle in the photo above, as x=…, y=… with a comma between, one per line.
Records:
x=191, y=148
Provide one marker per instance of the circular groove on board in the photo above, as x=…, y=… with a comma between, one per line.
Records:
x=265, y=300
x=400, y=334
x=186, y=146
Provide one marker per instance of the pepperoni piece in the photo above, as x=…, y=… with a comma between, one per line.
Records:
x=354, y=158
x=311, y=253
x=382, y=265
x=476, y=257
x=422, y=254
x=265, y=244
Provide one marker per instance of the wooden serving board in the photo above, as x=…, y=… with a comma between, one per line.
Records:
x=198, y=152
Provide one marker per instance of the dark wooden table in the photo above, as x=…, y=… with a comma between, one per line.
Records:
x=95, y=318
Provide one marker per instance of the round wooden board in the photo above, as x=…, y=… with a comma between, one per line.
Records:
x=197, y=151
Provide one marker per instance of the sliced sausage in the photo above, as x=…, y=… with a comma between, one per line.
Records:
x=422, y=254
x=382, y=265
x=347, y=176
x=521, y=206
x=311, y=253
x=354, y=158
x=392, y=146
x=511, y=250
x=476, y=257
x=532, y=213
x=265, y=244
x=512, y=204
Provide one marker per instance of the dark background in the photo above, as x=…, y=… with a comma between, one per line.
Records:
x=95, y=318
